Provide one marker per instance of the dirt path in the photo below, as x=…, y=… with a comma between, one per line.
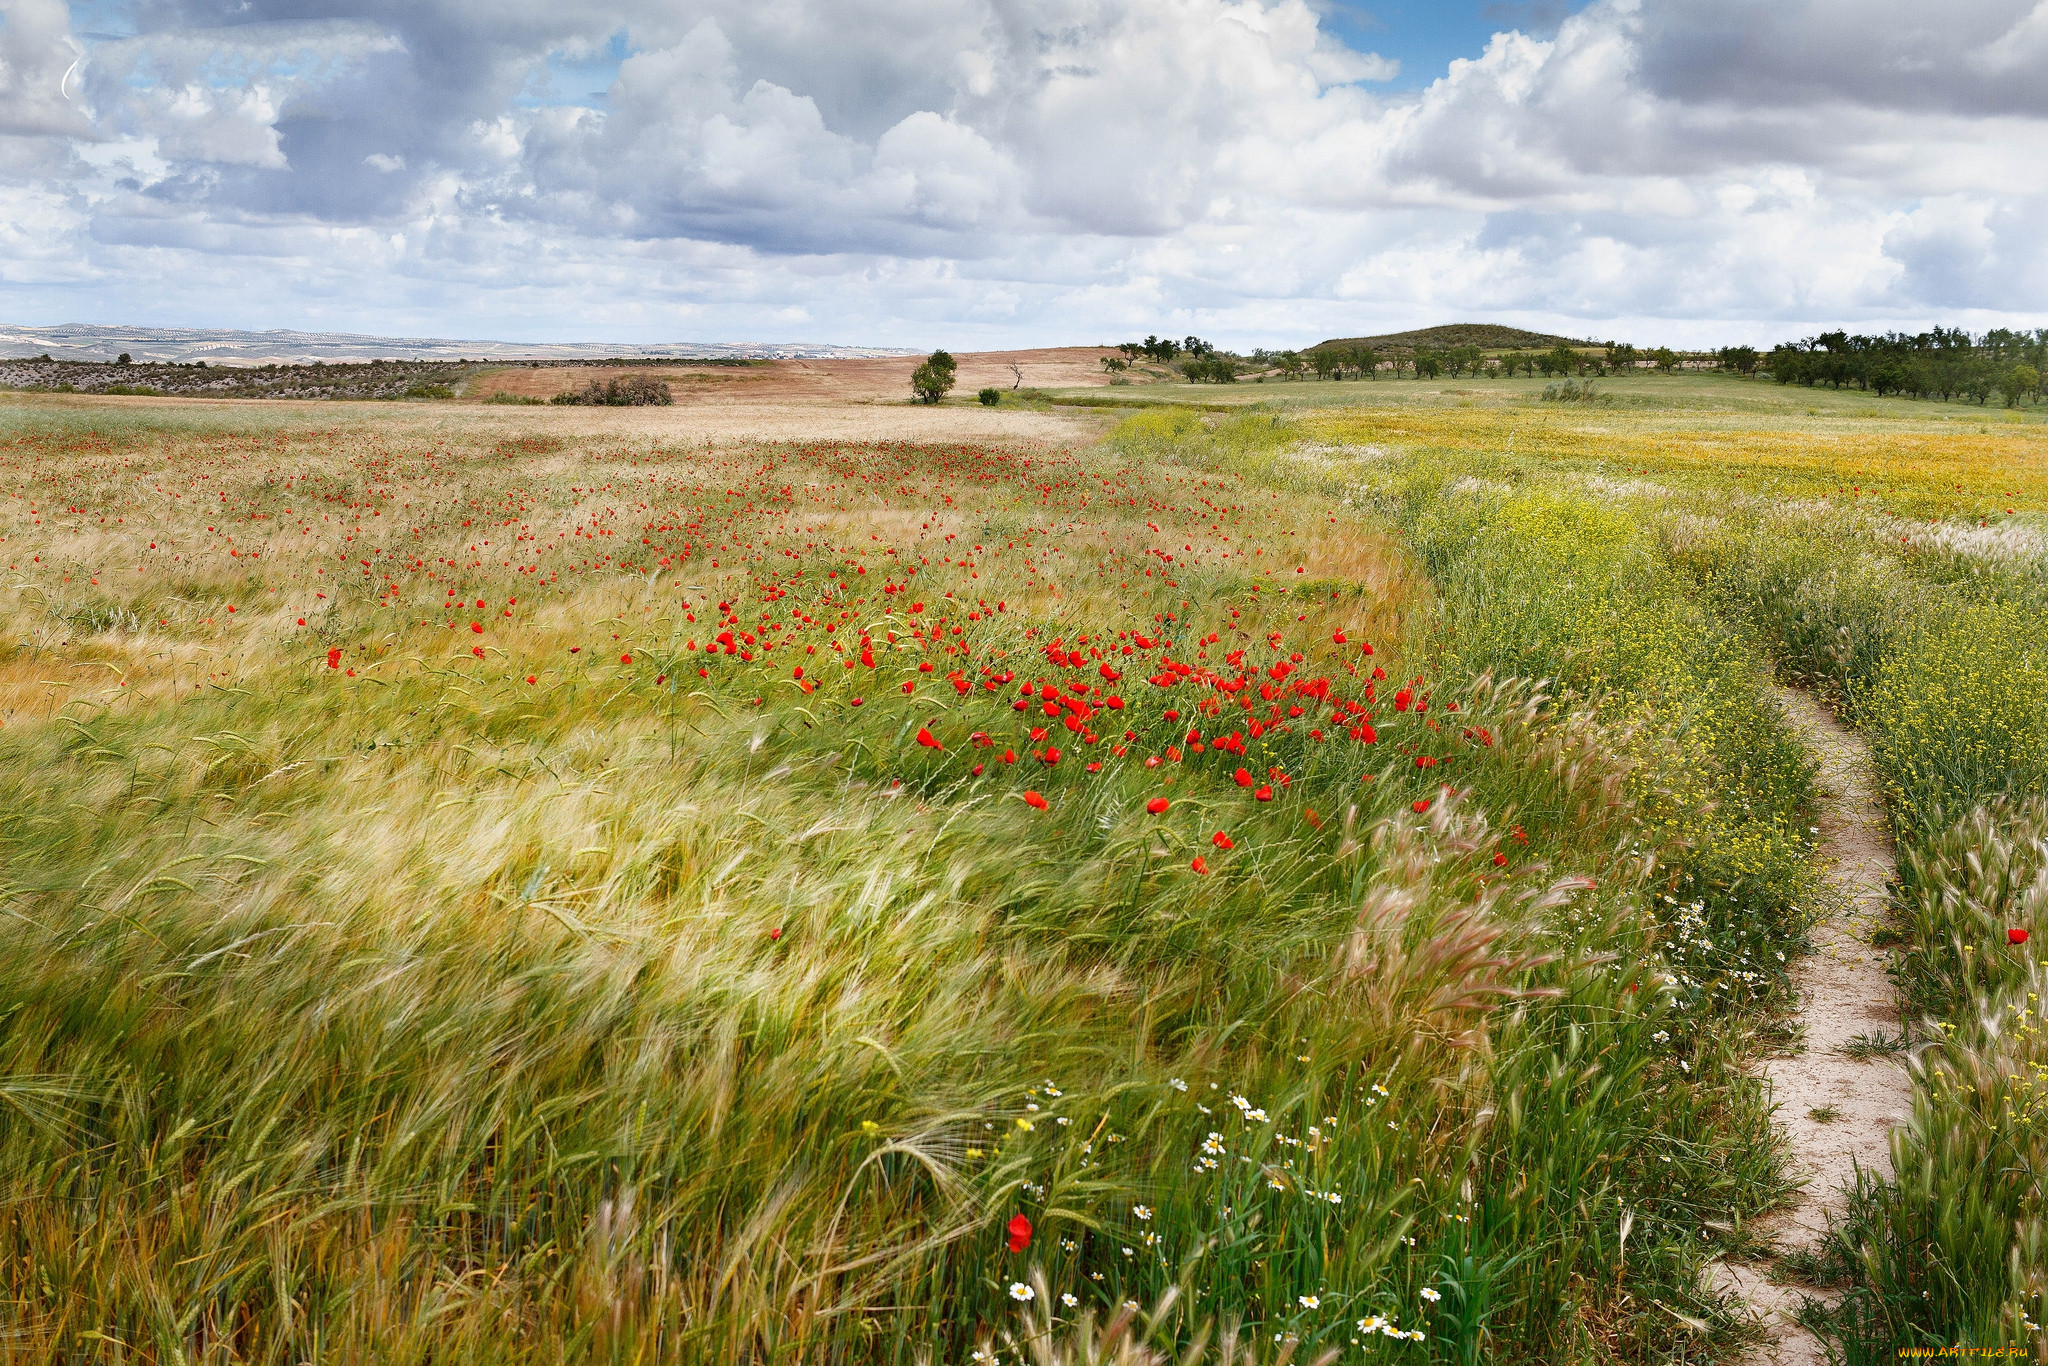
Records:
x=1843, y=994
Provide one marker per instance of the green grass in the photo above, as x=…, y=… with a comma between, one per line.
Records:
x=474, y=999
x=1892, y=561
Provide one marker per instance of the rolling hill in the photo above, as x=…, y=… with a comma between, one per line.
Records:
x=1492, y=336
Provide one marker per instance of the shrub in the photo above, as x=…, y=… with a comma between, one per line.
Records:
x=1571, y=391
x=990, y=397
x=629, y=391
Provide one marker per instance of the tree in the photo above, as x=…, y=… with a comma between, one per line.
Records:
x=2019, y=381
x=121, y=359
x=931, y=380
x=1113, y=365
x=1324, y=360
x=1290, y=363
x=1741, y=359
x=1367, y=360
x=1666, y=358
x=1428, y=364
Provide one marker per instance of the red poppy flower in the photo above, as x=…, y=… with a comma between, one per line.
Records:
x=1264, y=794
x=1244, y=777
x=1157, y=806
x=625, y=659
x=1035, y=801
x=1020, y=1233
x=1500, y=860
x=775, y=933
x=1337, y=639
x=927, y=739
x=334, y=659
x=2015, y=936
x=1222, y=841
x=1200, y=866
x=1422, y=805
x=477, y=627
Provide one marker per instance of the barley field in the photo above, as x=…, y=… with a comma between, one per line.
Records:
x=1307, y=877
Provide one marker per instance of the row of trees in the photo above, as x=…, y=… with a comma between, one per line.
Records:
x=1166, y=348
x=1366, y=362
x=1944, y=363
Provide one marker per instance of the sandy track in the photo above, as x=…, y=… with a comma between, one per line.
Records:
x=1843, y=993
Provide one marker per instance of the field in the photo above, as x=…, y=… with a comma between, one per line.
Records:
x=1266, y=872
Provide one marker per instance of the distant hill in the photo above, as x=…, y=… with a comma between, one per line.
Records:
x=1491, y=336
x=227, y=346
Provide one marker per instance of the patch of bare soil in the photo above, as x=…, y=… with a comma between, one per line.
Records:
x=868, y=379
x=1837, y=1112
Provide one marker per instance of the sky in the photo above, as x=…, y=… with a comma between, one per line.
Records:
x=995, y=173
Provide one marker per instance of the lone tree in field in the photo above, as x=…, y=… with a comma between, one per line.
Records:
x=931, y=380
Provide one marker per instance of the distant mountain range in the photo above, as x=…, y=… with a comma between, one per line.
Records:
x=228, y=346
x=1489, y=336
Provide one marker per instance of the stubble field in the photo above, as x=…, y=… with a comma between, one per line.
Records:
x=815, y=881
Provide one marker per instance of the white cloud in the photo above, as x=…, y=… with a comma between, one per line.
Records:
x=1028, y=169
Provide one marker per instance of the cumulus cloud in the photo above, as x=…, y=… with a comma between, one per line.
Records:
x=1027, y=169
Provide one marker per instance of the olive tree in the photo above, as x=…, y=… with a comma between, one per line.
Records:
x=931, y=380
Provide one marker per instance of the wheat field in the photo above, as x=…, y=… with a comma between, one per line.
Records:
x=863, y=883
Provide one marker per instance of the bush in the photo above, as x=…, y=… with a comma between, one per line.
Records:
x=990, y=397
x=1571, y=391
x=430, y=391
x=630, y=391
